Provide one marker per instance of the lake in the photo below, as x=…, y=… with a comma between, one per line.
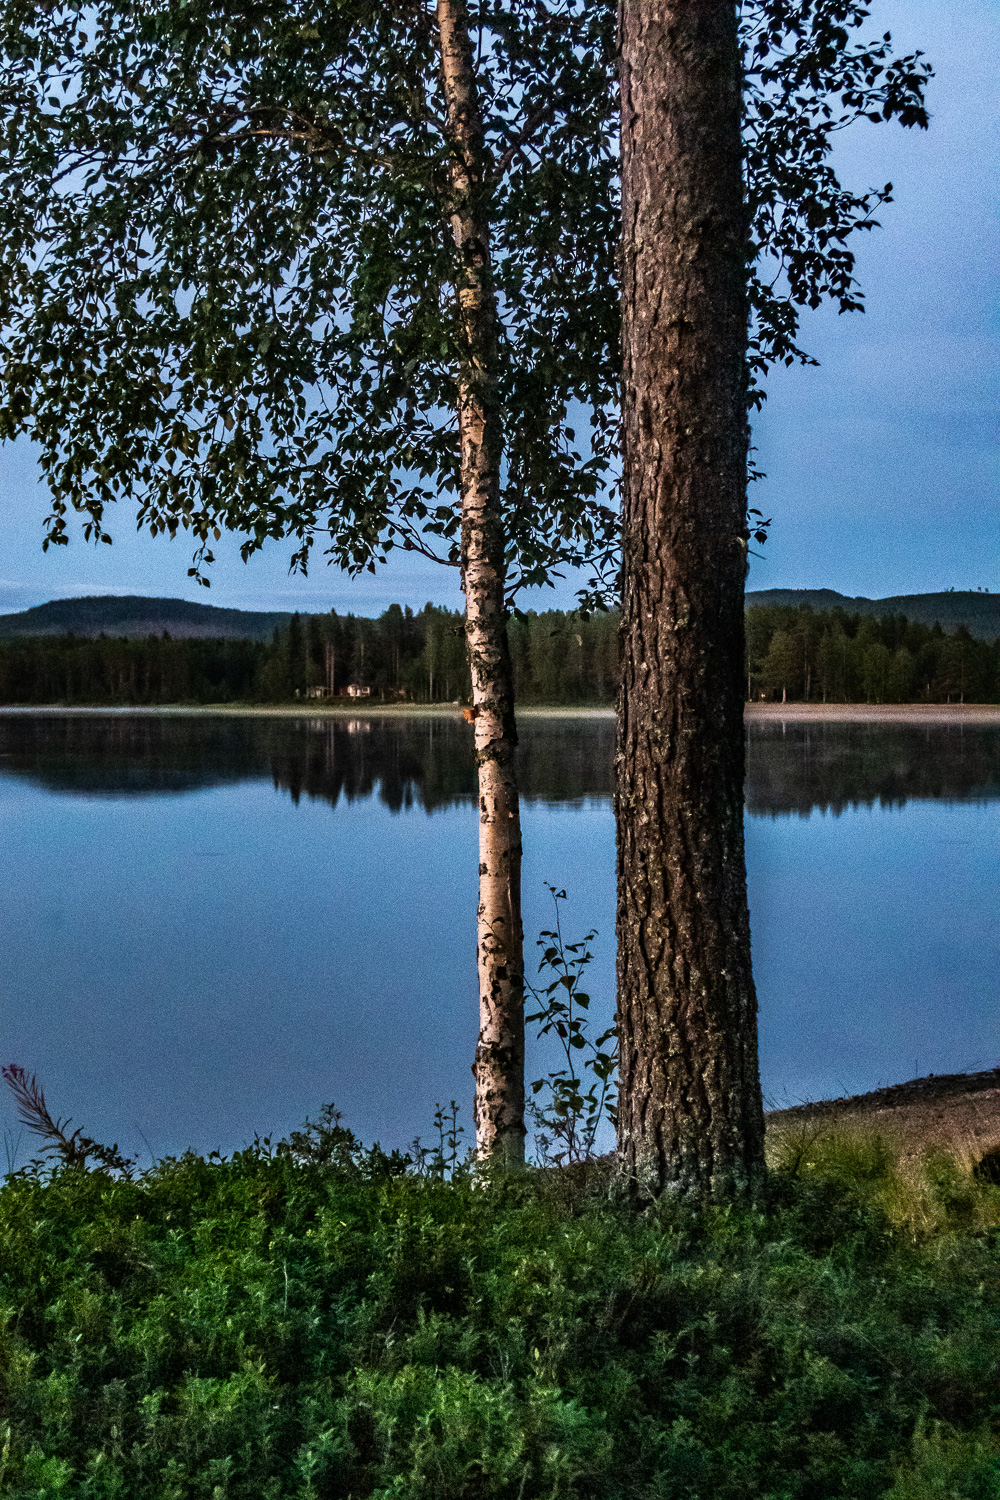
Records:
x=213, y=924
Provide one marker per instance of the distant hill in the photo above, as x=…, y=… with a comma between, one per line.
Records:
x=137, y=616
x=979, y=613
x=134, y=615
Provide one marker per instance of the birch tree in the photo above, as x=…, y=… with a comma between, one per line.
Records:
x=258, y=257
x=346, y=274
x=499, y=1064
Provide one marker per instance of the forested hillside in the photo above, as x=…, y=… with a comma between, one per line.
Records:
x=800, y=655
x=135, y=615
x=976, y=609
x=793, y=655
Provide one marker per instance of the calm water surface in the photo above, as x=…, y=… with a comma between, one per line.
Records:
x=212, y=926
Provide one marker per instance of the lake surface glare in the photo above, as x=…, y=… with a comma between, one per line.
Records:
x=212, y=925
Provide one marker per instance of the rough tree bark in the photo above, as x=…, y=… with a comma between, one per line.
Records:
x=499, y=1064
x=690, y=1118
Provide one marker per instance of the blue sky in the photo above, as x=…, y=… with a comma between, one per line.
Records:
x=881, y=464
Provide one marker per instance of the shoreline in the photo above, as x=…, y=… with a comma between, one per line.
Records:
x=858, y=713
x=876, y=713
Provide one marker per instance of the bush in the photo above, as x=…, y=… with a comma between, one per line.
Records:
x=297, y=1325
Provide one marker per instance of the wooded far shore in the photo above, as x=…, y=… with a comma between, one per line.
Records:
x=794, y=655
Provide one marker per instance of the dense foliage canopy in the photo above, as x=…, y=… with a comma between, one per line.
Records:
x=229, y=284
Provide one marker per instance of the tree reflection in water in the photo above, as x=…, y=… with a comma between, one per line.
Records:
x=427, y=760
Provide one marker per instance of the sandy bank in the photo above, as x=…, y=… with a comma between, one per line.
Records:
x=780, y=713
x=317, y=710
x=874, y=713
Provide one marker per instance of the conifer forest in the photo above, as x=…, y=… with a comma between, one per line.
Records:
x=560, y=658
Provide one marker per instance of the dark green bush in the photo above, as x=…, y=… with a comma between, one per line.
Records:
x=276, y=1328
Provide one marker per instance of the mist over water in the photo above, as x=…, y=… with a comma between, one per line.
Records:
x=214, y=924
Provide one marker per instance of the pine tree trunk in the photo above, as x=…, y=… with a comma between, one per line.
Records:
x=690, y=1105
x=499, y=1064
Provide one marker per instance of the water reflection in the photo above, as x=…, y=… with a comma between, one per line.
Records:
x=194, y=948
x=427, y=761
x=800, y=768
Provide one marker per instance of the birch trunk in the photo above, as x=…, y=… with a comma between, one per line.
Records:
x=499, y=1064
x=690, y=1116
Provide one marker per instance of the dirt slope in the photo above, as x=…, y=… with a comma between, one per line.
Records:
x=956, y=1112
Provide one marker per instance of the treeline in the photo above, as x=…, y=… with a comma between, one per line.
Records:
x=802, y=655
x=114, y=670
x=794, y=654
x=558, y=657
x=401, y=656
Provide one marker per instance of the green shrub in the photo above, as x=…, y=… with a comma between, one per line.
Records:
x=946, y=1465
x=299, y=1326
x=934, y=1193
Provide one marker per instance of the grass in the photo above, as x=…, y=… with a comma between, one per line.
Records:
x=939, y=1191
x=319, y=1321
